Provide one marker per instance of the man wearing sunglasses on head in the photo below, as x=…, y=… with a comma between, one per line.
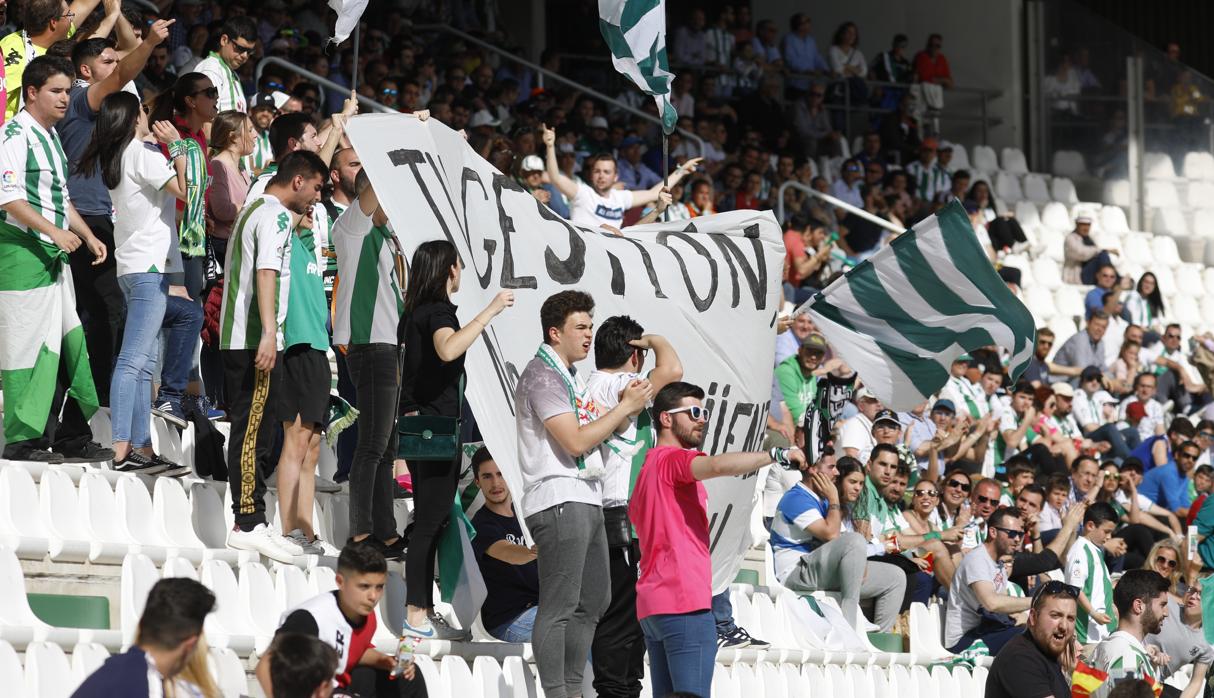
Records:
x=237, y=42
x=1038, y=662
x=669, y=510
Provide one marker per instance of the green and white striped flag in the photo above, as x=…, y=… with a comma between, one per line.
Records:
x=902, y=316
x=459, y=574
x=38, y=325
x=635, y=31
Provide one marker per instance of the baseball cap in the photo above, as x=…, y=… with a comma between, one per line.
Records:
x=264, y=100
x=483, y=118
x=944, y=405
x=963, y=359
x=945, y=145
x=1135, y=410
x=532, y=163
x=864, y=394
x=887, y=416
x=1010, y=275
x=1063, y=389
x=814, y=342
x=1090, y=373
x=931, y=142
x=630, y=141
x=599, y=122
x=1083, y=219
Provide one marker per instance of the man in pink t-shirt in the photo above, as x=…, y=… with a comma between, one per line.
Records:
x=669, y=511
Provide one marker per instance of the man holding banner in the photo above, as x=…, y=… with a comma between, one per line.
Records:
x=559, y=437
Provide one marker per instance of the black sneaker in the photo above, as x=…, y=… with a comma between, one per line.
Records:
x=171, y=469
x=90, y=452
x=751, y=642
x=35, y=455
x=136, y=462
x=395, y=551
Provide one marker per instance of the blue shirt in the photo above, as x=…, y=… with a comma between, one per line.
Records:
x=637, y=176
x=1167, y=487
x=1094, y=301
x=89, y=195
x=790, y=537
x=801, y=56
x=1143, y=452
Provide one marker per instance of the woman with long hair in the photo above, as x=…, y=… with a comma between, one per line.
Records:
x=983, y=201
x=850, y=483
x=924, y=498
x=232, y=138
x=435, y=345
x=141, y=185
x=1145, y=304
x=954, y=507
x=1167, y=558
x=1136, y=527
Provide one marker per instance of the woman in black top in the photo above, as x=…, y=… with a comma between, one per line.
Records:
x=434, y=362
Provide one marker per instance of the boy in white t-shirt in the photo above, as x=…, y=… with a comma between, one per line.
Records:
x=600, y=204
x=620, y=346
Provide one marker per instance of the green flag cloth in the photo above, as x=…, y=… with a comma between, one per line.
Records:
x=635, y=31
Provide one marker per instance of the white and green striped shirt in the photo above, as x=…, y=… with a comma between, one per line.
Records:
x=33, y=167
x=1123, y=656
x=260, y=240
x=1086, y=570
x=370, y=290
x=929, y=180
x=231, y=93
x=261, y=156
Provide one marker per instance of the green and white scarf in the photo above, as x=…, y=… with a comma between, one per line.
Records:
x=590, y=464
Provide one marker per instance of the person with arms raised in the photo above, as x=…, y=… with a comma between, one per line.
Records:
x=669, y=510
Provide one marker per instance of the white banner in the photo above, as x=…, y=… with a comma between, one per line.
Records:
x=711, y=286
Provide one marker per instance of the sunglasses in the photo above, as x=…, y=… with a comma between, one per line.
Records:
x=211, y=92
x=1054, y=588
x=1187, y=455
x=1009, y=532
x=1171, y=336
x=243, y=49
x=1205, y=435
x=958, y=484
x=389, y=91
x=1167, y=562
x=1112, y=476
x=926, y=493
x=988, y=500
x=1045, y=342
x=697, y=413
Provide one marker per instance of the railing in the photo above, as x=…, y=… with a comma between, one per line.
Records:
x=984, y=95
x=323, y=81
x=792, y=184
x=556, y=77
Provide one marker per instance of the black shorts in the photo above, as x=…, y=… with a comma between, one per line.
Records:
x=304, y=388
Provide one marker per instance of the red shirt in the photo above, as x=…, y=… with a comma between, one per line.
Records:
x=669, y=509
x=794, y=249
x=927, y=69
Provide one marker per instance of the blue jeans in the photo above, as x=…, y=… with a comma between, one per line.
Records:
x=182, y=325
x=131, y=384
x=682, y=651
x=722, y=613
x=517, y=630
x=1119, y=448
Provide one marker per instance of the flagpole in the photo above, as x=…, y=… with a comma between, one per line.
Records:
x=354, y=70
x=666, y=171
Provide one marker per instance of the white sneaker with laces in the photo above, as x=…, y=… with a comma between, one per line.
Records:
x=261, y=540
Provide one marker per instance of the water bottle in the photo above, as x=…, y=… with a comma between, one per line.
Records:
x=1192, y=544
x=404, y=655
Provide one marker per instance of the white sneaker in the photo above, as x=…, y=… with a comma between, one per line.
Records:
x=288, y=544
x=260, y=540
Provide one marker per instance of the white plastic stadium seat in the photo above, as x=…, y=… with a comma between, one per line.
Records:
x=1207, y=310
x=1112, y=218
x=1199, y=194
x=984, y=158
x=229, y=672
x=135, y=514
x=1014, y=162
x=1047, y=273
x=1169, y=221
x=1069, y=163
x=1163, y=250
x=87, y=657
x=961, y=159
x=21, y=528
x=1192, y=248
x=1027, y=214
x=1198, y=165
x=1117, y=192
x=291, y=586
x=228, y=626
x=946, y=684
x=57, y=498
x=171, y=512
x=1203, y=222
x=1068, y=301
x=1184, y=309
x=12, y=676
x=259, y=601
x=178, y=566
x=458, y=677
x=1167, y=281
x=1055, y=216
x=1063, y=190
x=520, y=682
x=1007, y=187
x=1035, y=189
x=138, y=576
x=207, y=518
x=1161, y=194
x=47, y=671
x=1158, y=166
x=100, y=518
x=487, y=676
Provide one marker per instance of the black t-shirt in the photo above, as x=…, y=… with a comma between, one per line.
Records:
x=429, y=385
x=515, y=588
x=1021, y=670
x=1036, y=371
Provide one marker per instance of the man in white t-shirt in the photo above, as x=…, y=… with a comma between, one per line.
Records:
x=856, y=435
x=237, y=42
x=600, y=203
x=620, y=346
x=1176, y=377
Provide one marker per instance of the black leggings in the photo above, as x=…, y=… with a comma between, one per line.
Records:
x=433, y=494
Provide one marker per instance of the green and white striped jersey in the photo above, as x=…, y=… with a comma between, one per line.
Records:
x=1123, y=656
x=260, y=240
x=262, y=153
x=231, y=94
x=33, y=167
x=1086, y=570
x=371, y=279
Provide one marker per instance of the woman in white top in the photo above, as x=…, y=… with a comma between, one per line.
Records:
x=1145, y=304
x=846, y=59
x=142, y=186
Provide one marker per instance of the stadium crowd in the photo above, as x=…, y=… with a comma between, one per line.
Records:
x=206, y=216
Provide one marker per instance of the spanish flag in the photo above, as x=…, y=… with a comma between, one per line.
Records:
x=1086, y=680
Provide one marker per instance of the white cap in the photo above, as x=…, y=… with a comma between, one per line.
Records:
x=532, y=163
x=599, y=122
x=483, y=118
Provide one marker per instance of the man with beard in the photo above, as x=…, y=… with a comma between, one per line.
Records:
x=1141, y=598
x=1031, y=664
x=979, y=606
x=669, y=510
